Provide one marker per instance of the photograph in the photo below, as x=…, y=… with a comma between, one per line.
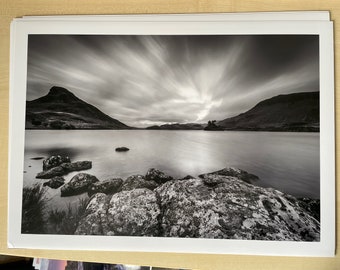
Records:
x=173, y=136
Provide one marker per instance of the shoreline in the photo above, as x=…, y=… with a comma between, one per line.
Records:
x=221, y=204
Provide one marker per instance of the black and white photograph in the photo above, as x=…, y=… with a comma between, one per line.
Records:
x=168, y=134
x=189, y=136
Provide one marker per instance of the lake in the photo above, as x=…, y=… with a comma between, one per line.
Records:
x=287, y=161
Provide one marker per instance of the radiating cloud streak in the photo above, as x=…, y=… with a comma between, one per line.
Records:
x=145, y=80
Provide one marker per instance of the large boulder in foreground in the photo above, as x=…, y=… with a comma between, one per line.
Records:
x=78, y=184
x=133, y=212
x=95, y=220
x=213, y=206
x=109, y=186
x=65, y=168
x=226, y=207
x=54, y=161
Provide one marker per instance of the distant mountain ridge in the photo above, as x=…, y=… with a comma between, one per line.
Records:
x=291, y=112
x=61, y=109
x=178, y=126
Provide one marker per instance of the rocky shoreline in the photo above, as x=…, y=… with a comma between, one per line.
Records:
x=221, y=205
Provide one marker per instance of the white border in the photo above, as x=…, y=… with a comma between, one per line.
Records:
x=19, y=33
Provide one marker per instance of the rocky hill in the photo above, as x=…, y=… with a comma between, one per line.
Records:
x=292, y=112
x=61, y=109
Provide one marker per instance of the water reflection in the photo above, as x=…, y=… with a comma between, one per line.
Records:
x=285, y=161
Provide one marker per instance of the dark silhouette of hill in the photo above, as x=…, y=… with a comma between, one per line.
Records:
x=61, y=109
x=292, y=112
x=178, y=126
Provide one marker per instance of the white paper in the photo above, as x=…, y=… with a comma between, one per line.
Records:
x=277, y=23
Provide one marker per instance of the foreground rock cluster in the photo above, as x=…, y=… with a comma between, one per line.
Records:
x=222, y=204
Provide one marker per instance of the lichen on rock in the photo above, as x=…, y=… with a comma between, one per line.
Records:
x=54, y=161
x=108, y=186
x=134, y=213
x=95, y=220
x=138, y=181
x=65, y=168
x=157, y=176
x=78, y=184
x=220, y=205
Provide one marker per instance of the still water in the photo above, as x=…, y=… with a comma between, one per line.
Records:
x=283, y=160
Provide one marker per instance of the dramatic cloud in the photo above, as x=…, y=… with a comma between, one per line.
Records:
x=146, y=80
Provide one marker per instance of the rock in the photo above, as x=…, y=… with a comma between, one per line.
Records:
x=65, y=168
x=77, y=166
x=243, y=175
x=122, y=149
x=55, y=182
x=134, y=213
x=54, y=161
x=311, y=206
x=215, y=206
x=232, y=209
x=95, y=220
x=211, y=180
x=37, y=158
x=56, y=171
x=157, y=176
x=78, y=184
x=109, y=186
x=187, y=177
x=138, y=181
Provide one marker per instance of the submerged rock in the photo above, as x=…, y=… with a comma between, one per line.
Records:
x=138, y=181
x=54, y=161
x=157, y=176
x=109, y=186
x=122, y=149
x=55, y=182
x=78, y=184
x=65, y=168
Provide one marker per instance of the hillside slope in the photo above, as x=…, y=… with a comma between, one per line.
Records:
x=292, y=112
x=61, y=109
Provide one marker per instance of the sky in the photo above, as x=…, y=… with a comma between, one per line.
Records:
x=153, y=80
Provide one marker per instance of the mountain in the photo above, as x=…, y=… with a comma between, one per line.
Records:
x=178, y=126
x=292, y=112
x=61, y=109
